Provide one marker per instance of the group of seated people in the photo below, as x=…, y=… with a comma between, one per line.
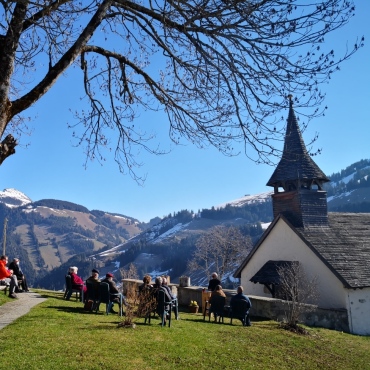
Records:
x=115, y=295
x=11, y=274
x=215, y=287
x=151, y=291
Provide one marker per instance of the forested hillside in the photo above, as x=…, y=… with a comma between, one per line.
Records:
x=349, y=189
x=51, y=235
x=48, y=233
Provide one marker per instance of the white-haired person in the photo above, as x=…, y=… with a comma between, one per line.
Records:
x=213, y=282
x=76, y=280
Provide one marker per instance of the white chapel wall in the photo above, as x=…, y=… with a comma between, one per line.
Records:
x=359, y=311
x=283, y=244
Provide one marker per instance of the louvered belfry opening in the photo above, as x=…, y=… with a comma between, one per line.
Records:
x=298, y=181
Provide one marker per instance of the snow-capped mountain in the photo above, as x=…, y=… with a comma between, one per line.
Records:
x=248, y=199
x=14, y=198
x=63, y=233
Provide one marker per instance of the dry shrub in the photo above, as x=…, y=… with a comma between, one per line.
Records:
x=138, y=304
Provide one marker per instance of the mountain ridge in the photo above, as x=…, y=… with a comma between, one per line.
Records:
x=49, y=235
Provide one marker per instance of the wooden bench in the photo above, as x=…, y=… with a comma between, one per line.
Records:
x=3, y=286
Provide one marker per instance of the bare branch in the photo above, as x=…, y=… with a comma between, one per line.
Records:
x=220, y=70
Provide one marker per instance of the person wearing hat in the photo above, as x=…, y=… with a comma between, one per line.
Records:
x=95, y=282
x=17, y=271
x=115, y=294
x=94, y=278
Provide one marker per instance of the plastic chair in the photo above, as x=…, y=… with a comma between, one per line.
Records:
x=217, y=308
x=106, y=297
x=164, y=308
x=69, y=290
x=240, y=310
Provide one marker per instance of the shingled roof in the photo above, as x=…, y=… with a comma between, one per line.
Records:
x=343, y=245
x=295, y=162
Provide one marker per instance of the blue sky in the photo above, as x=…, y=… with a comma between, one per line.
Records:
x=187, y=178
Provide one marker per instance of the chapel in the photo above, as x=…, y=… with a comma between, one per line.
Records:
x=332, y=247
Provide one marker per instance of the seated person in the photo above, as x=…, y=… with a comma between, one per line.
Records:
x=95, y=281
x=213, y=282
x=217, y=292
x=76, y=281
x=17, y=271
x=115, y=294
x=173, y=297
x=159, y=288
x=8, y=277
x=165, y=286
x=240, y=296
x=146, y=285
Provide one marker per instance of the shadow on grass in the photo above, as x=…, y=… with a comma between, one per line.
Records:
x=54, y=296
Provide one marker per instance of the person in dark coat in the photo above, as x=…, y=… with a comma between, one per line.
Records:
x=115, y=294
x=17, y=271
x=240, y=296
x=94, y=278
x=214, y=282
x=158, y=287
x=173, y=296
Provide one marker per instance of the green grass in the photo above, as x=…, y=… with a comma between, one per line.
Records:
x=4, y=298
x=58, y=334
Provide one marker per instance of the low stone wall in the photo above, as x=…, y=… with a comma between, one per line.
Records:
x=276, y=309
x=270, y=308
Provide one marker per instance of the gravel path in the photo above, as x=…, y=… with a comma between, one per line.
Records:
x=11, y=311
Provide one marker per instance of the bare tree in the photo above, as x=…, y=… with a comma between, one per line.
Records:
x=222, y=68
x=299, y=291
x=130, y=273
x=221, y=249
x=138, y=305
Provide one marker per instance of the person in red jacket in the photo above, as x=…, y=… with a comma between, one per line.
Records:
x=76, y=280
x=8, y=277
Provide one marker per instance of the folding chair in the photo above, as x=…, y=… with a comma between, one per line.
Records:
x=164, y=308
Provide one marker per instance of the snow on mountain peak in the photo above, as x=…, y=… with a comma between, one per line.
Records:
x=248, y=199
x=13, y=198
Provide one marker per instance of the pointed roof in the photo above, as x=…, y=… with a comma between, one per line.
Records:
x=295, y=162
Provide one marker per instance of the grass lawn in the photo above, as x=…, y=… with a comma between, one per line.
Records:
x=58, y=334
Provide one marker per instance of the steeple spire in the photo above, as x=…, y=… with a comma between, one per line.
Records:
x=295, y=165
x=297, y=181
